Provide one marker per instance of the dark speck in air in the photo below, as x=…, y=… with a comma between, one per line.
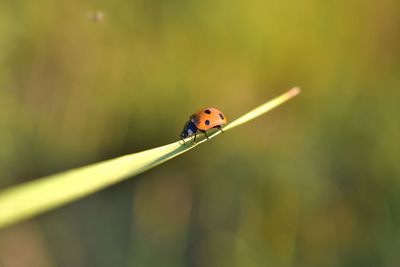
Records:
x=207, y=122
x=207, y=111
x=221, y=116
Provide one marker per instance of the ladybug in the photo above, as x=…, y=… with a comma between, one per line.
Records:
x=202, y=121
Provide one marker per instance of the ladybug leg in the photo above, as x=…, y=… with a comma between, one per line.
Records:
x=219, y=127
x=183, y=140
x=195, y=135
x=205, y=133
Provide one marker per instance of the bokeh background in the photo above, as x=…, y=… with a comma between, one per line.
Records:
x=313, y=183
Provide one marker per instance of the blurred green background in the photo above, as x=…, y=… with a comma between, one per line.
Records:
x=313, y=183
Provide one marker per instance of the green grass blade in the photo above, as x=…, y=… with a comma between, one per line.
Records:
x=32, y=198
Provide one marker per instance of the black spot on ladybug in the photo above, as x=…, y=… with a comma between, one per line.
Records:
x=221, y=116
x=207, y=111
x=207, y=122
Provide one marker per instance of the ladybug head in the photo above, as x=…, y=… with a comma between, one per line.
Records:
x=189, y=129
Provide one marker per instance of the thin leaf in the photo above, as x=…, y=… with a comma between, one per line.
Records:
x=26, y=200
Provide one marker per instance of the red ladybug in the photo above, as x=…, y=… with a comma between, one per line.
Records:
x=202, y=121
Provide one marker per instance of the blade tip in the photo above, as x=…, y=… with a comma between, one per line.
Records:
x=294, y=91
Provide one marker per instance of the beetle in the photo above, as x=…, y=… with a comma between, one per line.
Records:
x=203, y=120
